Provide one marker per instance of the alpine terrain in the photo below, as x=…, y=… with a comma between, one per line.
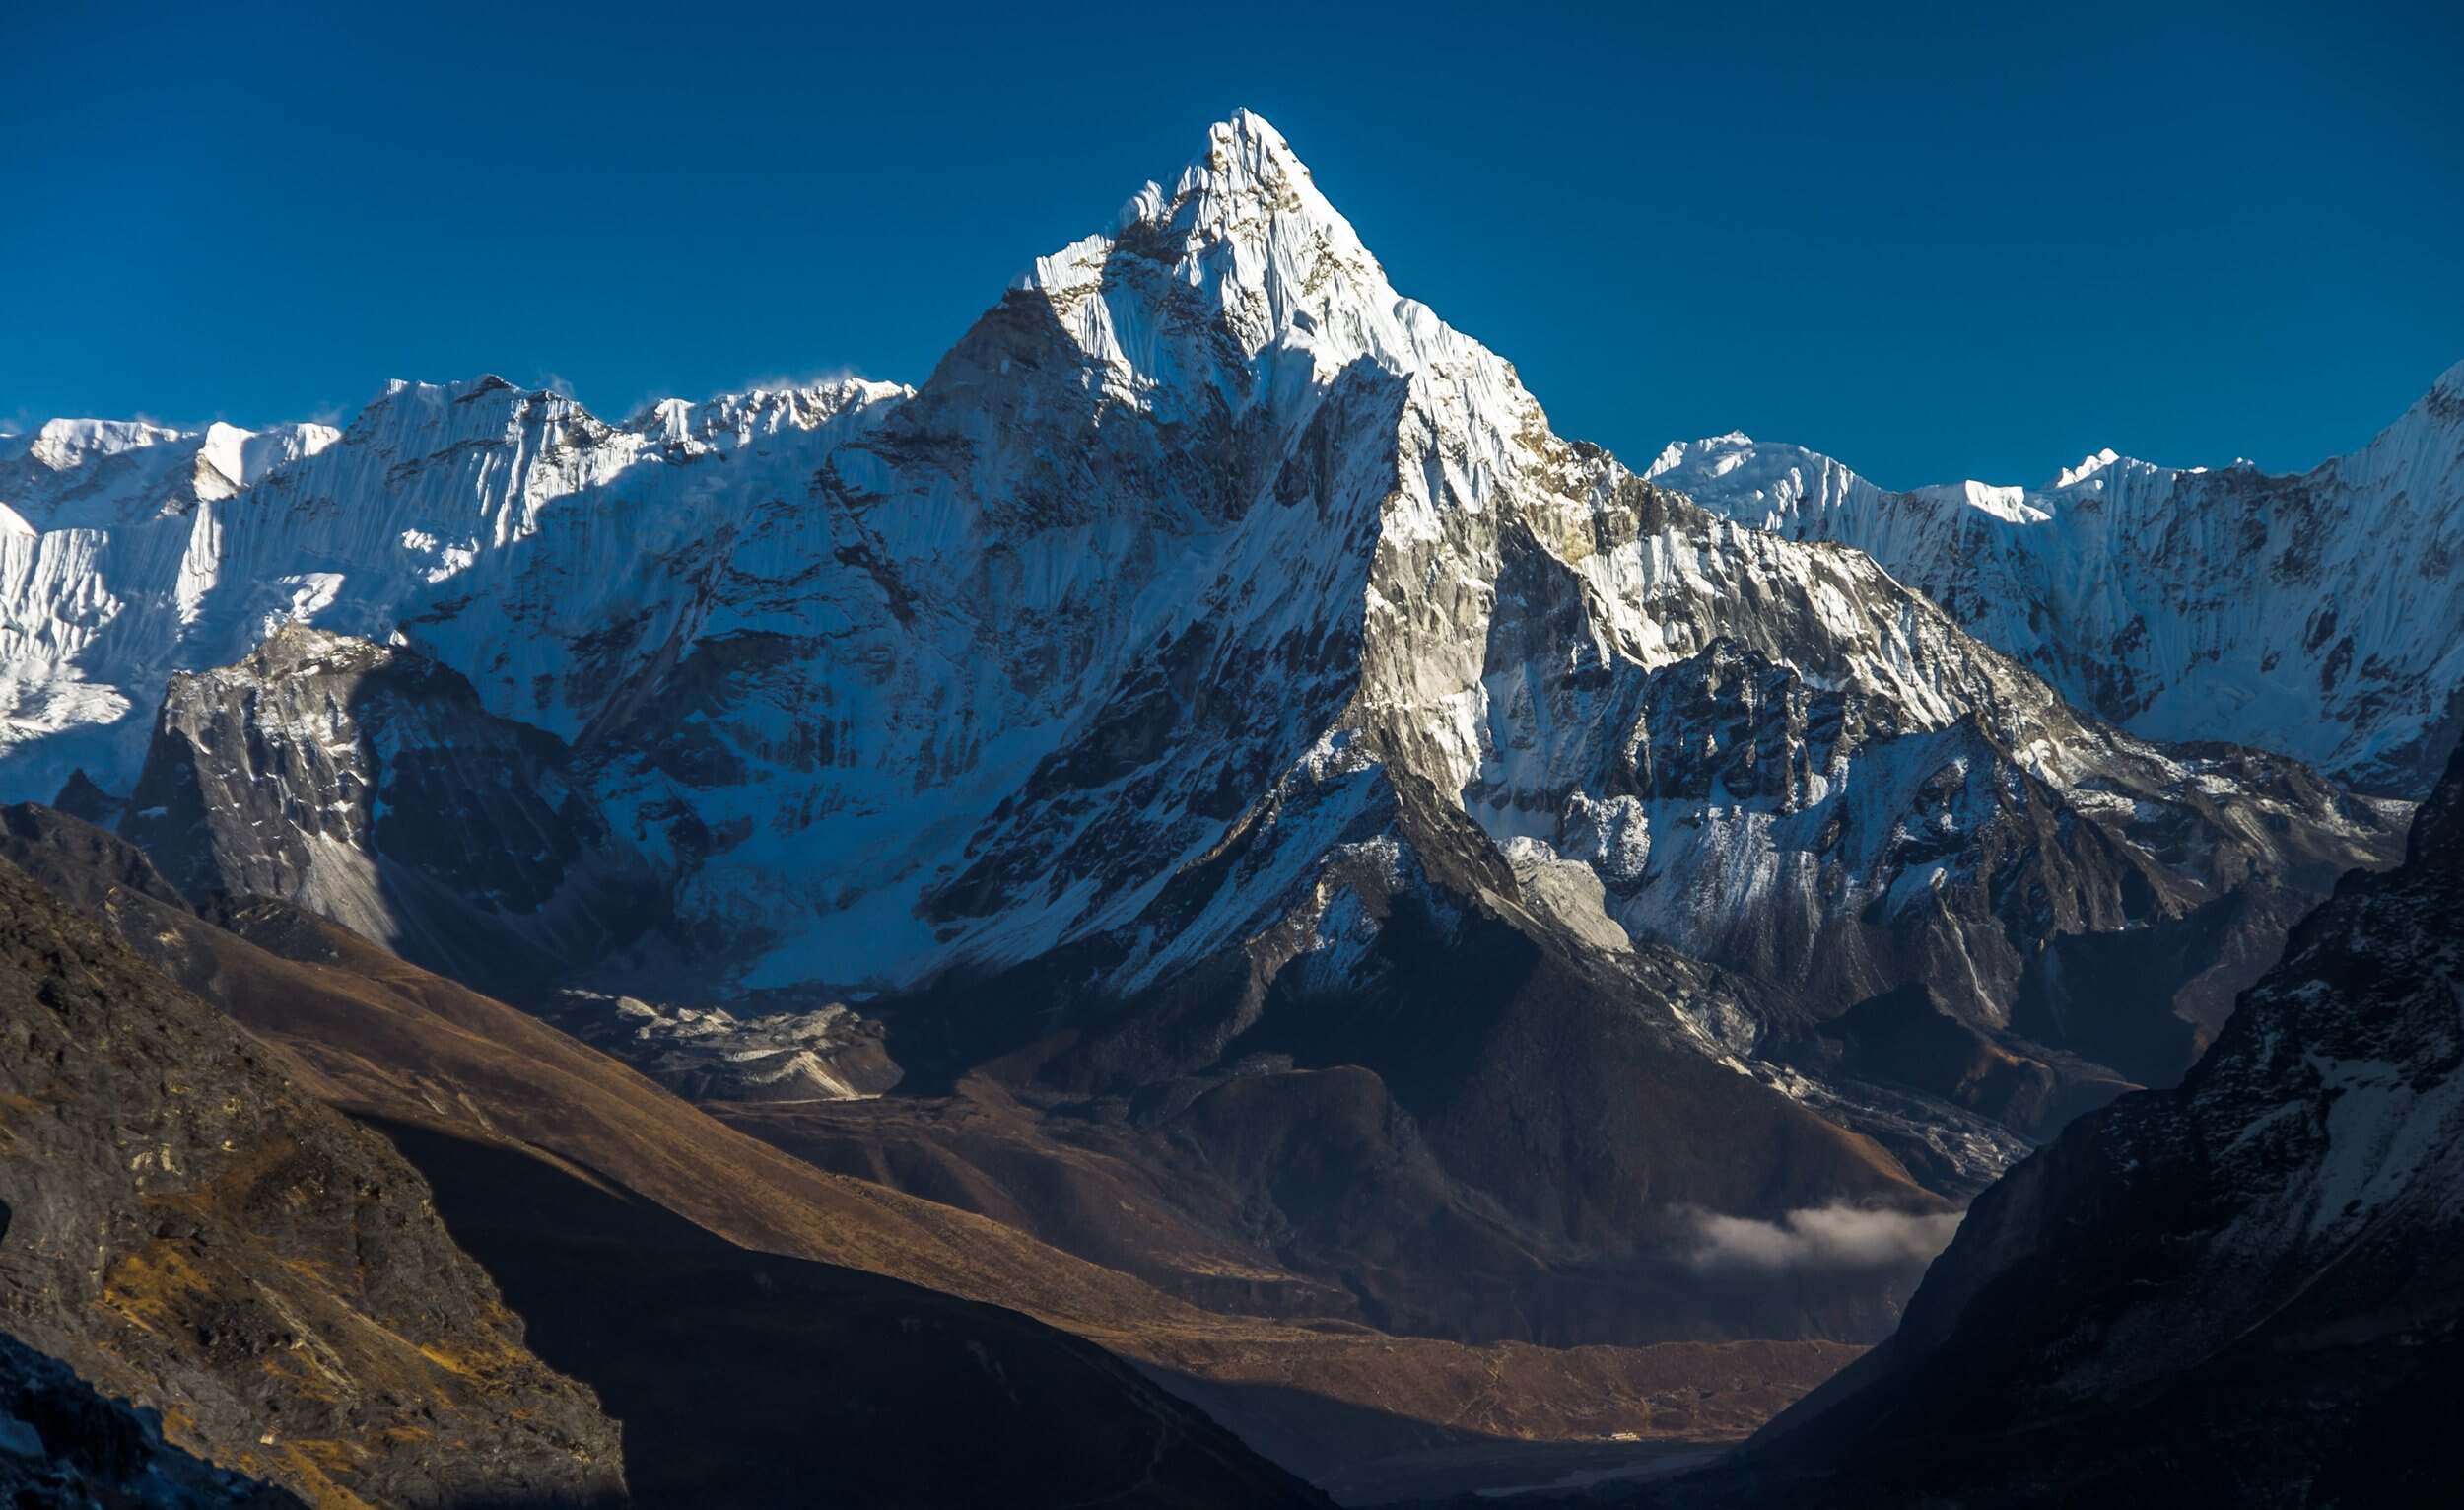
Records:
x=2314, y=615
x=2233, y=1291
x=1206, y=822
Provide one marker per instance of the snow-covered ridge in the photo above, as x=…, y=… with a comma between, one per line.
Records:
x=2311, y=614
x=1203, y=559
x=128, y=551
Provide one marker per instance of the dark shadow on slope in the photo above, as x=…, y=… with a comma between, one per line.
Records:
x=745, y=1378
x=1395, y=1460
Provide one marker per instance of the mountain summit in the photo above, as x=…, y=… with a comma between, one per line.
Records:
x=1215, y=674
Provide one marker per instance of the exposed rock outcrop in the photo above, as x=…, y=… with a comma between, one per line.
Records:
x=187, y=1229
x=2238, y=1291
x=65, y=1447
x=368, y=784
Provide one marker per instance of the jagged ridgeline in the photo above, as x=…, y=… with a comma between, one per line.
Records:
x=1215, y=710
x=2314, y=615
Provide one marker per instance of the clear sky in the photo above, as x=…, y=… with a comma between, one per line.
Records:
x=1971, y=239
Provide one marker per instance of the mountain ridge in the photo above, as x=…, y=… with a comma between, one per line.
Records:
x=2228, y=1290
x=1219, y=662
x=2112, y=580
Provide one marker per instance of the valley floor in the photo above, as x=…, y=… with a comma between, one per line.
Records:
x=1508, y=1472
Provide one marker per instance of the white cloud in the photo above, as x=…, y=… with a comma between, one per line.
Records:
x=1827, y=1237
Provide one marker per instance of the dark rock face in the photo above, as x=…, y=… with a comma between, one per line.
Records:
x=65, y=1447
x=2240, y=1290
x=366, y=783
x=187, y=1228
x=80, y=797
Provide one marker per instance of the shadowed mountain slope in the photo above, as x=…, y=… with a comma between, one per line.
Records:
x=2238, y=1291
x=747, y=1378
x=65, y=1447
x=387, y=1040
x=188, y=1227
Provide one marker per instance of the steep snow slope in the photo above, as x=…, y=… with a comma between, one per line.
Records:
x=110, y=544
x=2315, y=615
x=128, y=551
x=1209, y=592
x=1217, y=663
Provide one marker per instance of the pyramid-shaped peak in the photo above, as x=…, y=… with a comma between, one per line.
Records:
x=1243, y=236
x=1248, y=160
x=1244, y=212
x=1248, y=136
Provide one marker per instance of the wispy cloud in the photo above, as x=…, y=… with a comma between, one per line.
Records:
x=772, y=382
x=813, y=379
x=1827, y=1237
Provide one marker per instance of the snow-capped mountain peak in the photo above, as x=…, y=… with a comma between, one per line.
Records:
x=64, y=444
x=2096, y=462
x=94, y=474
x=1214, y=627
x=1245, y=255
x=2311, y=614
x=1200, y=520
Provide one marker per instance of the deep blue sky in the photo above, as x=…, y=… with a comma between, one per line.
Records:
x=1935, y=245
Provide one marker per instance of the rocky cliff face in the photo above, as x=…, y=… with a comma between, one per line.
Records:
x=2236, y=1289
x=1219, y=654
x=368, y=784
x=64, y=1447
x=2312, y=615
x=188, y=1230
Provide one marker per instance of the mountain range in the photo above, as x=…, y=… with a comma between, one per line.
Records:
x=2312, y=614
x=1208, y=789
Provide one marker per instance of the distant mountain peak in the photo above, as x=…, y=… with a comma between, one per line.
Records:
x=2181, y=602
x=2095, y=463
x=63, y=444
